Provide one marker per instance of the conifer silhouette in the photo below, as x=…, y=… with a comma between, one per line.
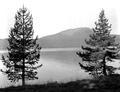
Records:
x=100, y=49
x=23, y=50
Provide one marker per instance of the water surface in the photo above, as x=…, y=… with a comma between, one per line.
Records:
x=59, y=64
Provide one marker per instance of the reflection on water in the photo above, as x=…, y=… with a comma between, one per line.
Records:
x=58, y=65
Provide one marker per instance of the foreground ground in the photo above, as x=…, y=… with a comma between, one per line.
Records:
x=104, y=84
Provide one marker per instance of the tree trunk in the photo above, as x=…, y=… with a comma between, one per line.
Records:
x=23, y=68
x=104, y=67
x=23, y=73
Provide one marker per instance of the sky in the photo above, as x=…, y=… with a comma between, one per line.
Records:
x=53, y=16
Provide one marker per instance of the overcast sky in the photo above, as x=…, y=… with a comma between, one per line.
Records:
x=53, y=16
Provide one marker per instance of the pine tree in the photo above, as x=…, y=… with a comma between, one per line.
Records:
x=100, y=49
x=23, y=51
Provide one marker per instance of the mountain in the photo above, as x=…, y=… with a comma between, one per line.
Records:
x=71, y=38
x=66, y=39
x=3, y=44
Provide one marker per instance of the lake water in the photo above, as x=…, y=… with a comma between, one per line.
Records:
x=59, y=65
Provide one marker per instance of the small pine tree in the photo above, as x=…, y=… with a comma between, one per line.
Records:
x=23, y=51
x=101, y=48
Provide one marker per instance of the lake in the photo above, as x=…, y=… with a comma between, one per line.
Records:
x=59, y=64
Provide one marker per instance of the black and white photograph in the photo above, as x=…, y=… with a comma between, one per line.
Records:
x=59, y=46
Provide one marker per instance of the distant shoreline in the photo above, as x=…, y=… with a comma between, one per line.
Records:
x=51, y=49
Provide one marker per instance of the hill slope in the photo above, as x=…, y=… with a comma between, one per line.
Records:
x=71, y=38
x=66, y=39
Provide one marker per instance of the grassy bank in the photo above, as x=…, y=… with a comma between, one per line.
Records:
x=104, y=84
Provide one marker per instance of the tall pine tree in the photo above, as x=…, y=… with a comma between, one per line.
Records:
x=100, y=49
x=23, y=51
